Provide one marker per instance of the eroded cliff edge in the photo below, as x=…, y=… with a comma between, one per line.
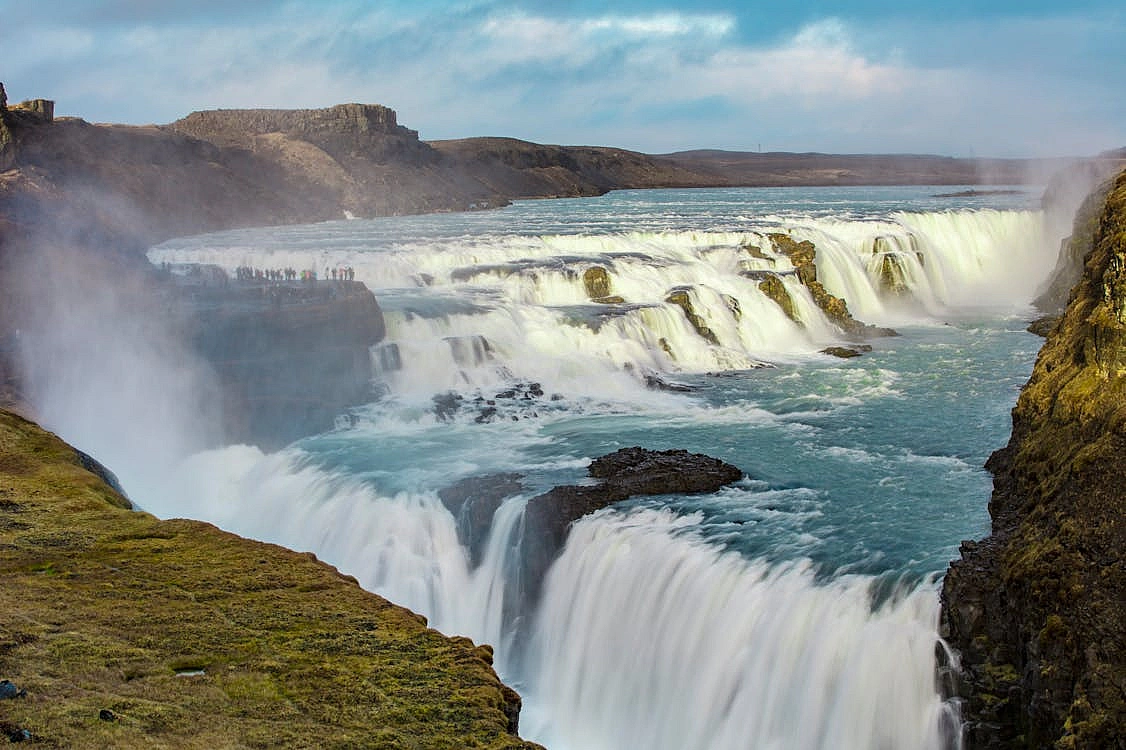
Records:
x=1037, y=610
x=126, y=631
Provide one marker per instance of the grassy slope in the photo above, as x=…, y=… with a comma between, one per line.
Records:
x=104, y=608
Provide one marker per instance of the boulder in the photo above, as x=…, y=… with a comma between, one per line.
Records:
x=773, y=287
x=847, y=352
x=682, y=298
x=626, y=473
x=596, y=279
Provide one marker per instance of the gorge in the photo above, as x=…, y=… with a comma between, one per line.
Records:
x=49, y=203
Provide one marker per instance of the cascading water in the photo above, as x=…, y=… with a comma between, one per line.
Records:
x=795, y=609
x=650, y=638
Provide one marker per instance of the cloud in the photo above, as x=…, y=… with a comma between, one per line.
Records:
x=653, y=81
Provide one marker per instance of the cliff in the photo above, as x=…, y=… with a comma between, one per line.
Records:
x=289, y=357
x=124, y=631
x=1036, y=609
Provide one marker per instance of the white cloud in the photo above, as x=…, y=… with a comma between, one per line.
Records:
x=656, y=82
x=662, y=25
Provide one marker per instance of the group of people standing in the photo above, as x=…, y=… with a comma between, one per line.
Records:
x=247, y=273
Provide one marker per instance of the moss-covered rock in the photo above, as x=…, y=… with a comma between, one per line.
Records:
x=774, y=288
x=126, y=631
x=802, y=255
x=1073, y=249
x=1037, y=609
x=892, y=275
x=596, y=279
x=682, y=298
x=756, y=252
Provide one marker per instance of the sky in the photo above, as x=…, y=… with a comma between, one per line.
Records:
x=957, y=77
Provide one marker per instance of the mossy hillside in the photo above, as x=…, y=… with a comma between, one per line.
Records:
x=1038, y=608
x=193, y=637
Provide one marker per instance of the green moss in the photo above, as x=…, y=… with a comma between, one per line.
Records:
x=196, y=638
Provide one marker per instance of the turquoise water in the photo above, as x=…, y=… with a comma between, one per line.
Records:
x=860, y=472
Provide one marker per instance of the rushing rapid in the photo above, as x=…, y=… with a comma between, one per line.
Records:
x=796, y=608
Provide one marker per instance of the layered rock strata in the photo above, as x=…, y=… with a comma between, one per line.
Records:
x=1037, y=609
x=123, y=631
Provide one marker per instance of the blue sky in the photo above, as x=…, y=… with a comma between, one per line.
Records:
x=958, y=77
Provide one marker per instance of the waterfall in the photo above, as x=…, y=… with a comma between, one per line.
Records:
x=650, y=638
x=646, y=636
x=477, y=311
x=650, y=632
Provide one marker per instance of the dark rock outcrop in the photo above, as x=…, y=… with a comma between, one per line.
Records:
x=626, y=473
x=1036, y=609
x=473, y=501
x=289, y=356
x=847, y=352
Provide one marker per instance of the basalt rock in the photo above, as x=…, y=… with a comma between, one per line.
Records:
x=1036, y=610
x=773, y=287
x=290, y=356
x=892, y=276
x=473, y=501
x=1043, y=325
x=1073, y=249
x=626, y=473
x=596, y=279
x=847, y=352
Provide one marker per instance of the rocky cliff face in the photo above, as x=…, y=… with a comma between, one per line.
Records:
x=289, y=356
x=1037, y=608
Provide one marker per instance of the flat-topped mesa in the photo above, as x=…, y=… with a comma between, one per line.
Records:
x=351, y=118
x=333, y=126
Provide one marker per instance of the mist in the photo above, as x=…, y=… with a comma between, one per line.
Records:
x=104, y=367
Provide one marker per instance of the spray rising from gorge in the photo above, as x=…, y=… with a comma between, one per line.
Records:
x=797, y=603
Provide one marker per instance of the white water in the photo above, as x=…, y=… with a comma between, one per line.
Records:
x=651, y=633
x=477, y=311
x=647, y=635
x=650, y=638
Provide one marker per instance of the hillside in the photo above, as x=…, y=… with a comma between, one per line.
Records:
x=126, y=631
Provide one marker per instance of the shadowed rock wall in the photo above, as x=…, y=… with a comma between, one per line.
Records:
x=1037, y=609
